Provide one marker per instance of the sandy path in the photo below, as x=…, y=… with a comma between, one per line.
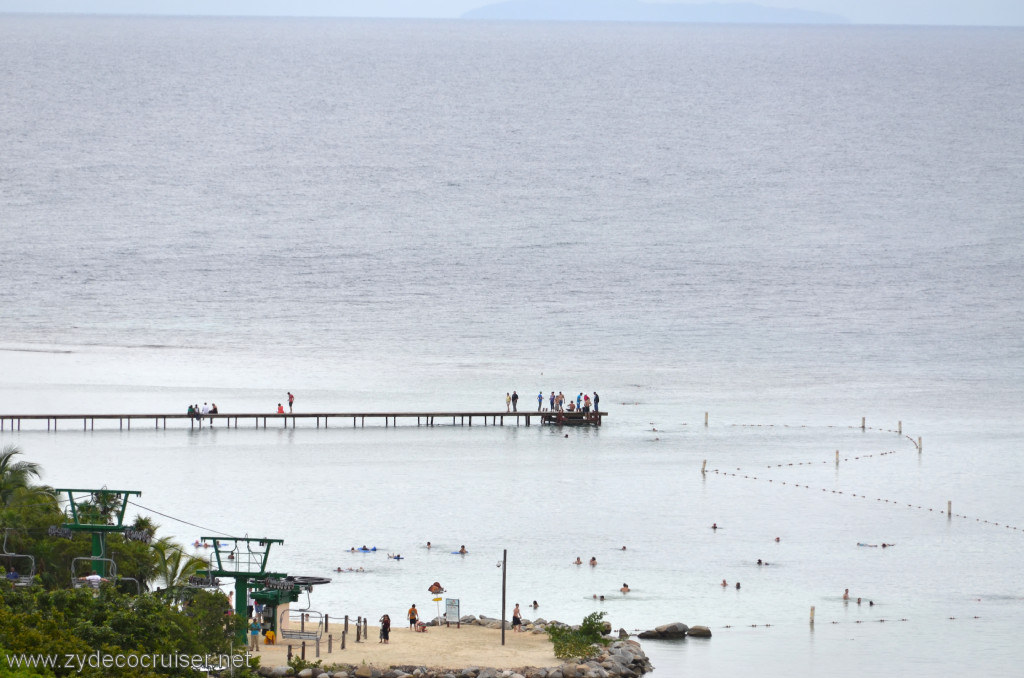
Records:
x=439, y=647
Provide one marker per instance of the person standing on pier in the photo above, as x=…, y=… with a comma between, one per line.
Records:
x=515, y=401
x=508, y=402
x=597, y=402
x=552, y=401
x=540, y=400
x=291, y=401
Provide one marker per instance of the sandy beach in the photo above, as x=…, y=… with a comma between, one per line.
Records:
x=439, y=647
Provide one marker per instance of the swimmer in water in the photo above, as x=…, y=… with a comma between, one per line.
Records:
x=593, y=561
x=846, y=594
x=737, y=586
x=462, y=549
x=535, y=605
x=625, y=587
x=578, y=561
x=428, y=544
x=724, y=583
x=623, y=548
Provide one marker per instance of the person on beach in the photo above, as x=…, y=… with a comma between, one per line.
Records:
x=291, y=401
x=385, y=629
x=508, y=402
x=517, y=620
x=515, y=401
x=625, y=587
x=593, y=561
x=280, y=408
x=414, y=616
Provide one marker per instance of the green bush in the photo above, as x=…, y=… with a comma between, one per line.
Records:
x=579, y=643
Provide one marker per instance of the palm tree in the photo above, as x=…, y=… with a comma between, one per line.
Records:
x=173, y=565
x=17, y=476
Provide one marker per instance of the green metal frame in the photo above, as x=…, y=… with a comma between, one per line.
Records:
x=98, y=530
x=255, y=564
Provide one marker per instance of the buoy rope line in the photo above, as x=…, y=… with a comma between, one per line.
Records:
x=851, y=621
x=863, y=496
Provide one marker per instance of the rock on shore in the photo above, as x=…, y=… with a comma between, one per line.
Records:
x=676, y=630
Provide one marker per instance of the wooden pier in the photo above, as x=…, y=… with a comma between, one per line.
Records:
x=69, y=422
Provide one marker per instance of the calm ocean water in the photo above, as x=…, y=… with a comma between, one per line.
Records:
x=796, y=227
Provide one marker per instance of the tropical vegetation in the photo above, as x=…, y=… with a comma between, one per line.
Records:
x=146, y=610
x=582, y=642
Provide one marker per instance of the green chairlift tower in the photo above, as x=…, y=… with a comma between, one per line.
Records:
x=243, y=559
x=79, y=522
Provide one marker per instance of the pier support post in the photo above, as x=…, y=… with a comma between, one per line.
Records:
x=899, y=427
x=949, y=508
x=863, y=423
x=705, y=419
x=919, y=447
x=812, y=615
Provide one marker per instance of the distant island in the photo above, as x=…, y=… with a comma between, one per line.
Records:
x=634, y=10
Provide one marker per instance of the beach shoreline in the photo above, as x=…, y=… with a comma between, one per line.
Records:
x=440, y=647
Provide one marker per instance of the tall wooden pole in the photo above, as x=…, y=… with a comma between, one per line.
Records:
x=504, y=569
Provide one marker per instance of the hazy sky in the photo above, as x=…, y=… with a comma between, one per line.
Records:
x=926, y=12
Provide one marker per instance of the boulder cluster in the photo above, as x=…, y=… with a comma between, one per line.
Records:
x=674, y=631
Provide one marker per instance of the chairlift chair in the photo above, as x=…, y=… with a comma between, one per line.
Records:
x=81, y=582
x=21, y=579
